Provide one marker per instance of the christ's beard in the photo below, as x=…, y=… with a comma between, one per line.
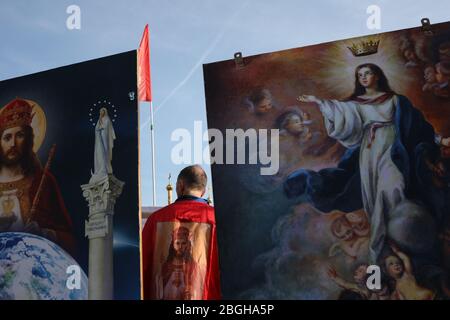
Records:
x=11, y=157
x=181, y=254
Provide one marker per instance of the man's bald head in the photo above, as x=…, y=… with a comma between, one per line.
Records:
x=192, y=180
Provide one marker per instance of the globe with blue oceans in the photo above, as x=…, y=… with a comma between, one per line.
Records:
x=34, y=268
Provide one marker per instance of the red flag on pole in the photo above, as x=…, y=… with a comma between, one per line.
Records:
x=145, y=93
x=144, y=82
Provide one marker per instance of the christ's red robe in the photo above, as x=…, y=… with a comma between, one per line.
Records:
x=51, y=212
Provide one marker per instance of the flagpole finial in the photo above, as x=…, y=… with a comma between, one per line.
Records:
x=169, y=189
x=239, y=60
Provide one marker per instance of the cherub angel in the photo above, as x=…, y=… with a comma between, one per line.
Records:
x=352, y=234
x=358, y=285
x=398, y=267
x=294, y=122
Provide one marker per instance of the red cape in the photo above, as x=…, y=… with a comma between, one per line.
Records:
x=182, y=211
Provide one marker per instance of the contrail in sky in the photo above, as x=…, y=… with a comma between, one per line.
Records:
x=199, y=62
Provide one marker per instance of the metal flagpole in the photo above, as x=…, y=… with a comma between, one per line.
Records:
x=152, y=129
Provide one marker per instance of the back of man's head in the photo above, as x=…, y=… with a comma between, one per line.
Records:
x=192, y=180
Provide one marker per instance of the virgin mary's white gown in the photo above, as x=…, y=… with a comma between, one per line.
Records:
x=371, y=126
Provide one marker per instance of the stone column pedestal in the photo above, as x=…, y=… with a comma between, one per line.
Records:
x=101, y=196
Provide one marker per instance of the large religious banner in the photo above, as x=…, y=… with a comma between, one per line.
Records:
x=360, y=130
x=69, y=200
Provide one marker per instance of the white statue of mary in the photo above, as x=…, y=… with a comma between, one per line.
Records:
x=104, y=142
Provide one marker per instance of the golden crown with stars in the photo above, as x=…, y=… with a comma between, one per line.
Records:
x=364, y=48
x=16, y=113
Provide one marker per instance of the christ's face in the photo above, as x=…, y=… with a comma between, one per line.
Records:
x=264, y=106
x=12, y=145
x=180, y=245
x=367, y=77
x=295, y=125
x=394, y=266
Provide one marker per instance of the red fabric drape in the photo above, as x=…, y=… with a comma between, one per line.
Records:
x=143, y=65
x=182, y=211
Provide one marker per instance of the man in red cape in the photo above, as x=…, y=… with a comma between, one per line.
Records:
x=180, y=270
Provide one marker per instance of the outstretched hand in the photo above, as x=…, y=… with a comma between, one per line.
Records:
x=394, y=247
x=187, y=295
x=332, y=273
x=307, y=98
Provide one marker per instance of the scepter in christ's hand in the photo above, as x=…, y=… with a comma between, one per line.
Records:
x=37, y=196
